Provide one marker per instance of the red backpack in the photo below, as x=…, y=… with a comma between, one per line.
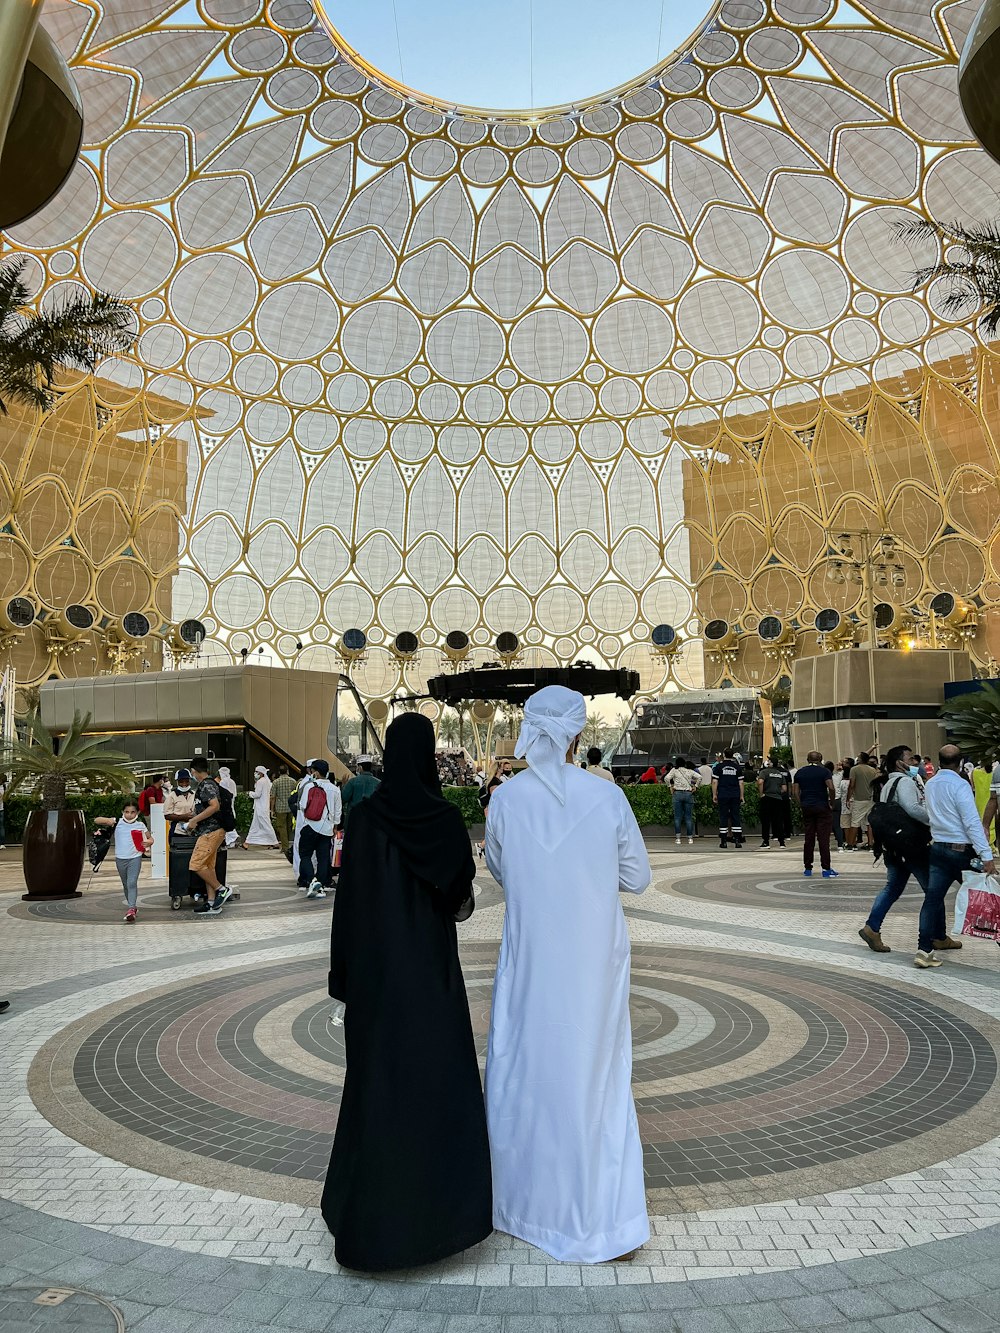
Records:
x=316, y=802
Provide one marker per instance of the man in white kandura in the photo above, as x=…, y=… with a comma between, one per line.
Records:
x=564, y=1140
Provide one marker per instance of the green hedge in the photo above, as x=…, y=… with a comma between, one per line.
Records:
x=16, y=810
x=651, y=802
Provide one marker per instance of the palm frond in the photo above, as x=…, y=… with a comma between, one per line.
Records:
x=80, y=762
x=974, y=722
x=79, y=333
x=974, y=274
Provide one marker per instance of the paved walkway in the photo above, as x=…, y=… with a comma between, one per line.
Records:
x=819, y=1122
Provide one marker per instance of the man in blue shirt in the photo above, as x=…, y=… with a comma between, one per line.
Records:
x=813, y=789
x=957, y=835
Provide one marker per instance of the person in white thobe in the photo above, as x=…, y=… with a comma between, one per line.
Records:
x=262, y=832
x=564, y=1139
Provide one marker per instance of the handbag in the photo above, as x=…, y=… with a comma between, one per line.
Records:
x=895, y=829
x=977, y=906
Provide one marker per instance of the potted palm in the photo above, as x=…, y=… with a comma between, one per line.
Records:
x=55, y=837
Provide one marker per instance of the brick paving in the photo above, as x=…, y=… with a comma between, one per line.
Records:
x=819, y=1123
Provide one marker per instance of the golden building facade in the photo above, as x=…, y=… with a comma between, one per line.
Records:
x=92, y=493
x=569, y=373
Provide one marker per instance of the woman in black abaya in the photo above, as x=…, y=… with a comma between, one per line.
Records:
x=409, y=1180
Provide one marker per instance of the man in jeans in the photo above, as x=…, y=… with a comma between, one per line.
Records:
x=210, y=835
x=813, y=789
x=319, y=819
x=957, y=835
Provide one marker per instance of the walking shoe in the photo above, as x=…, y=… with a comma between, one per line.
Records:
x=208, y=909
x=130, y=915
x=830, y=874
x=222, y=897
x=782, y=845
x=678, y=841
x=723, y=845
x=302, y=887
x=765, y=844
x=925, y=959
x=808, y=871
x=315, y=891
x=947, y=943
x=690, y=842
x=873, y=938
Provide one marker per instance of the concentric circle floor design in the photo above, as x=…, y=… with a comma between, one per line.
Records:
x=781, y=885
x=754, y=1076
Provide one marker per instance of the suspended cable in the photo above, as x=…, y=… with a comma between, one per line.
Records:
x=399, y=45
x=659, y=32
x=531, y=51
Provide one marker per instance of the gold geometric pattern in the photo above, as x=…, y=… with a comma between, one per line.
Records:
x=570, y=374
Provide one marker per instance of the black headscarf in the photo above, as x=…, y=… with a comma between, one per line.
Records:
x=408, y=807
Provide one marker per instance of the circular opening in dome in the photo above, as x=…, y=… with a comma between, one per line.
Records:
x=532, y=54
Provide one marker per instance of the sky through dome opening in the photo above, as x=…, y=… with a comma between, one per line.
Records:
x=514, y=55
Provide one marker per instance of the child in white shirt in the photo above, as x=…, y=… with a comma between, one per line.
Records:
x=132, y=838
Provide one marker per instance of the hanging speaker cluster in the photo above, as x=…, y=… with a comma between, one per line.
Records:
x=457, y=645
x=507, y=644
x=665, y=640
x=719, y=634
x=405, y=645
x=17, y=615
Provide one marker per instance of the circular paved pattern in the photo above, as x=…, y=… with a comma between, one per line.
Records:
x=787, y=889
x=34, y=1309
x=746, y=1069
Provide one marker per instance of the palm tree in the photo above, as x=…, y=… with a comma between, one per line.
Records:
x=974, y=274
x=974, y=722
x=448, y=727
x=78, y=333
x=79, y=763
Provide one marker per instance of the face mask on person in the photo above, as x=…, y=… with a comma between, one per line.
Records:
x=130, y=816
x=913, y=771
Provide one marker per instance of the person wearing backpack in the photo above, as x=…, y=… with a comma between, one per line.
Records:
x=319, y=815
x=902, y=825
x=212, y=820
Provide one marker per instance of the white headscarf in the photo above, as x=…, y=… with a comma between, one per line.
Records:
x=553, y=717
x=260, y=771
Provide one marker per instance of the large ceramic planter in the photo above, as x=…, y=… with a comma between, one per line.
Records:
x=53, y=850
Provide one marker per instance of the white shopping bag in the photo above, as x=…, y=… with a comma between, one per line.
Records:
x=977, y=907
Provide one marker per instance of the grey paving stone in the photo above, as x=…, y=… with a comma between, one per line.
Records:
x=293, y=1282
x=481, y=1323
x=986, y=1273
x=158, y=1259
x=133, y=1311
x=669, y=1295
x=724, y=1290
x=765, y=1317
x=169, y=1321
x=811, y=1311
x=910, y=1322
x=988, y=1302
x=415, y=1321
x=206, y=1298
x=618, y=1300
x=561, y=1300
x=702, y=1321
x=444, y=1299
x=871, y=1270
x=587, y=1323
x=775, y=1286
x=306, y=1314
x=345, y=1290
x=256, y=1305
x=396, y=1295
x=530, y=1323
x=160, y=1289
x=830, y=1277
x=357, y=1319
x=960, y=1317
x=905, y=1293
x=507, y=1300
x=861, y=1303
x=952, y=1284
x=914, y=1262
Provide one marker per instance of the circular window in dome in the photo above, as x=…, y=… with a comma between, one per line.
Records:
x=554, y=53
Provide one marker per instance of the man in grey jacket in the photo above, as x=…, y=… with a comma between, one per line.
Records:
x=904, y=785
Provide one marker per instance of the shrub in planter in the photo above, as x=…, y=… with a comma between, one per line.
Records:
x=55, y=832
